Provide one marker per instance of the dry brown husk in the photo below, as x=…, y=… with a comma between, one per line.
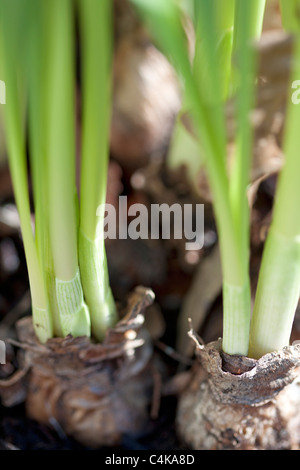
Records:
x=95, y=393
x=234, y=402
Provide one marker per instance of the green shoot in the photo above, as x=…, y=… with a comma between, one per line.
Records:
x=60, y=139
x=65, y=253
x=254, y=25
x=247, y=24
x=205, y=100
x=11, y=16
x=223, y=13
x=279, y=278
x=183, y=148
x=96, y=27
x=37, y=79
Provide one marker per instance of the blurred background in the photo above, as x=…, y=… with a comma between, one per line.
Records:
x=187, y=284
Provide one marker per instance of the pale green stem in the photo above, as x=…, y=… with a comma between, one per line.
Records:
x=15, y=139
x=61, y=141
x=277, y=295
x=279, y=278
x=37, y=79
x=224, y=14
x=183, y=148
x=237, y=300
x=254, y=19
x=220, y=45
x=247, y=26
x=234, y=250
x=72, y=309
x=96, y=27
x=236, y=318
x=204, y=97
x=97, y=291
x=73, y=312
